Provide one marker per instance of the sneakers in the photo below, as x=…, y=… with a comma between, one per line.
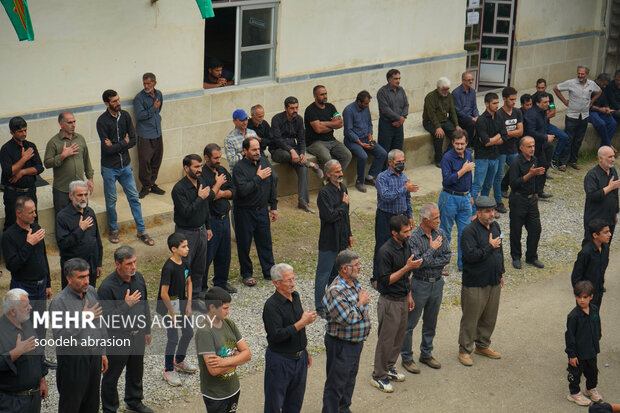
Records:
x=383, y=384
x=360, y=186
x=171, y=378
x=185, y=367
x=579, y=399
x=430, y=362
x=411, y=367
x=594, y=395
x=466, y=360
x=488, y=352
x=393, y=375
x=316, y=169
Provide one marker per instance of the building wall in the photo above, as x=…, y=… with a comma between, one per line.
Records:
x=553, y=37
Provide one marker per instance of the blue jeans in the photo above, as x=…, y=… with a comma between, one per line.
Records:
x=427, y=297
x=325, y=274
x=171, y=345
x=561, y=138
x=124, y=176
x=605, y=125
x=362, y=157
x=484, y=174
x=454, y=208
x=502, y=161
x=576, y=130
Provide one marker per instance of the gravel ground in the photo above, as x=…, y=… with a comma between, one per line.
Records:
x=561, y=219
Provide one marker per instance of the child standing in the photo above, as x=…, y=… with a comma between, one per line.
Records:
x=221, y=349
x=583, y=332
x=175, y=299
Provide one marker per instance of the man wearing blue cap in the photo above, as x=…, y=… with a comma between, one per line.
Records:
x=233, y=144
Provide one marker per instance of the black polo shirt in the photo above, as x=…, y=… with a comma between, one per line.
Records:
x=190, y=210
x=264, y=133
x=75, y=243
x=486, y=128
x=483, y=265
x=250, y=190
x=334, y=215
x=518, y=169
x=111, y=294
x=221, y=206
x=279, y=316
x=25, y=372
x=25, y=262
x=391, y=257
x=10, y=153
x=599, y=205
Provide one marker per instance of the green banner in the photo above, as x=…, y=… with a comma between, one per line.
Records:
x=206, y=9
x=20, y=17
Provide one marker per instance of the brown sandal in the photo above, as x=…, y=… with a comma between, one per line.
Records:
x=249, y=282
x=113, y=237
x=146, y=239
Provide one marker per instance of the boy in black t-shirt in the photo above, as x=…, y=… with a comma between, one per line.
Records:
x=174, y=300
x=583, y=333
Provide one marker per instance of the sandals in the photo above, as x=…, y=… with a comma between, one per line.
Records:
x=146, y=239
x=113, y=237
x=249, y=282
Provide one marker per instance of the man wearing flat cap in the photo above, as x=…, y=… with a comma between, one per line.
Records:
x=483, y=269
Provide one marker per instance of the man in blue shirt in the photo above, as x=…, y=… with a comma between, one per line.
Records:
x=358, y=138
x=455, y=199
x=393, y=198
x=147, y=105
x=465, y=104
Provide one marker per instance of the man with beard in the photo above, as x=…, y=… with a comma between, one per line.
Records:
x=67, y=154
x=77, y=233
x=256, y=204
x=191, y=213
x=601, y=186
x=117, y=135
x=393, y=111
x=147, y=106
x=483, y=269
x=22, y=369
x=535, y=125
x=465, y=104
x=439, y=117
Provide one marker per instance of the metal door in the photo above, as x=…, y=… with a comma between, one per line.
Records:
x=496, y=46
x=473, y=35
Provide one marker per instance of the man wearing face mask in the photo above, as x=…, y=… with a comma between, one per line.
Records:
x=439, y=117
x=77, y=232
x=393, y=198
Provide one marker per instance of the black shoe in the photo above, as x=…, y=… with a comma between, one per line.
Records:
x=516, y=263
x=369, y=180
x=305, y=207
x=501, y=208
x=505, y=194
x=545, y=195
x=438, y=165
x=144, y=192
x=229, y=288
x=267, y=277
x=157, y=190
x=360, y=186
x=49, y=364
x=536, y=263
x=139, y=408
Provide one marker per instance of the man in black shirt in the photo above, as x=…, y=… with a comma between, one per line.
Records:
x=23, y=247
x=117, y=135
x=593, y=258
x=321, y=119
x=483, y=269
x=395, y=263
x=21, y=164
x=513, y=121
x=526, y=183
x=22, y=367
x=535, y=125
x=259, y=125
x=255, y=190
x=290, y=147
x=77, y=233
x=601, y=186
x=217, y=177
x=286, y=358
x=123, y=294
x=191, y=212
x=335, y=235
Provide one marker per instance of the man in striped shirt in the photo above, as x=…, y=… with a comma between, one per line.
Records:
x=348, y=325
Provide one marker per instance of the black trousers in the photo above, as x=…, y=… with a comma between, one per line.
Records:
x=524, y=211
x=285, y=382
x=438, y=144
x=544, y=154
x=130, y=358
x=343, y=358
x=253, y=224
x=228, y=405
x=197, y=258
x=588, y=369
x=469, y=126
x=10, y=196
x=61, y=200
x=77, y=380
x=20, y=404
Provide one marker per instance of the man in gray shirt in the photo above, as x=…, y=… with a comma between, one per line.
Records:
x=393, y=110
x=80, y=363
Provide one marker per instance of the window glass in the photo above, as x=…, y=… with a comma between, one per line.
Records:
x=256, y=63
x=256, y=27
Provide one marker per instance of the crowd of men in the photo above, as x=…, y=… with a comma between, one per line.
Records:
x=408, y=262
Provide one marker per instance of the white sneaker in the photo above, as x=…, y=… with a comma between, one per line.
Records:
x=594, y=395
x=171, y=378
x=382, y=384
x=185, y=367
x=579, y=399
x=395, y=376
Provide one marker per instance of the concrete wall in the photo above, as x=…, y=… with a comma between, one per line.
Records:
x=553, y=37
